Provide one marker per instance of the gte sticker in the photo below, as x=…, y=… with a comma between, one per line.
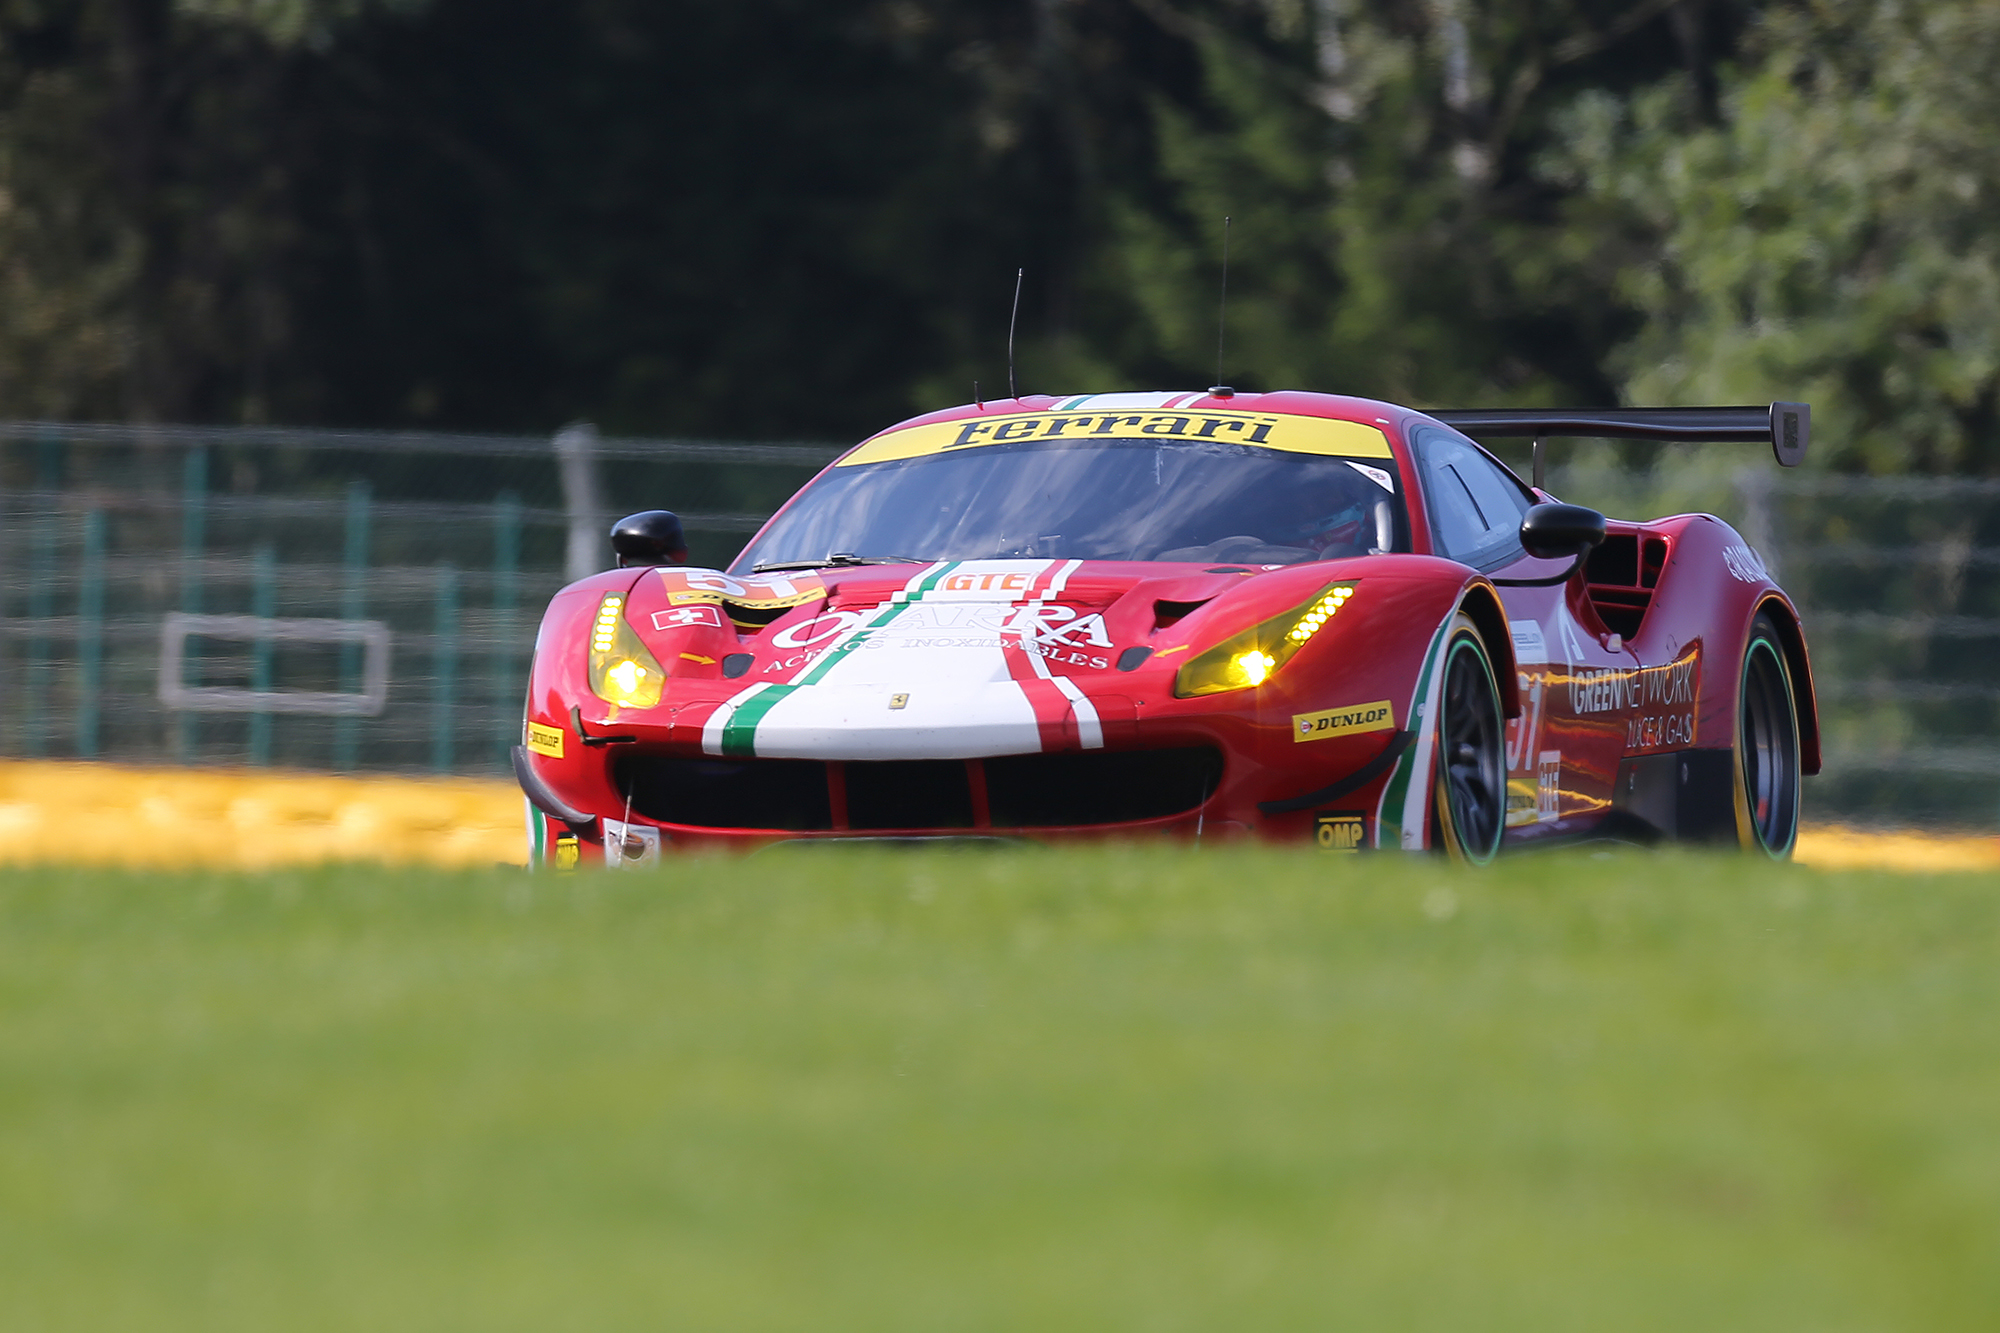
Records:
x=684, y=617
x=1341, y=831
x=1548, y=787
x=1343, y=721
x=545, y=740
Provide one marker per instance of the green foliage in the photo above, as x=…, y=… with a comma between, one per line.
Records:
x=1831, y=239
x=1106, y=1089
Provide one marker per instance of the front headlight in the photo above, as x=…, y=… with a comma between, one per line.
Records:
x=1253, y=656
x=622, y=671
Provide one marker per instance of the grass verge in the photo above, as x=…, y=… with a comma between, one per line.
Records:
x=1110, y=1088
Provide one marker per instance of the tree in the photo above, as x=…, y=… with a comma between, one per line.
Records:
x=1831, y=240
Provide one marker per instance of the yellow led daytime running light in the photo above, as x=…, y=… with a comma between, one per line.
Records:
x=1248, y=659
x=622, y=670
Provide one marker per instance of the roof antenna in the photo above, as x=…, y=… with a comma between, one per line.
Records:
x=1011, y=321
x=1219, y=389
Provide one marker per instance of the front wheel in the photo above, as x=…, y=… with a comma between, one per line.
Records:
x=1767, y=746
x=1470, y=802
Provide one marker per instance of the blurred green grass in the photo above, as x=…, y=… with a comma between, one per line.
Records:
x=1115, y=1088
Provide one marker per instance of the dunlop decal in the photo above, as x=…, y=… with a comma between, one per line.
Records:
x=545, y=740
x=1348, y=721
x=1269, y=430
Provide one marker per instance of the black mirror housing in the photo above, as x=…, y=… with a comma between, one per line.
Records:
x=1552, y=531
x=652, y=537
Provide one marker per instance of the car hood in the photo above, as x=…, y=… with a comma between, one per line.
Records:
x=958, y=659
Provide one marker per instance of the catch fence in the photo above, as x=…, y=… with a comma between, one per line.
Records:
x=358, y=600
x=318, y=599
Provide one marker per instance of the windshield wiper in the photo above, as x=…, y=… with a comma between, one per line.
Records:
x=838, y=558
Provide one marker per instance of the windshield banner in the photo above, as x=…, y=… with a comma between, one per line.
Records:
x=1267, y=430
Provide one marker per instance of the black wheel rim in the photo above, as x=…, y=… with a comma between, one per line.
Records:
x=1475, y=777
x=1770, y=749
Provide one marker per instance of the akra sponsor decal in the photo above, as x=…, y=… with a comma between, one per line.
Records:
x=808, y=632
x=764, y=591
x=684, y=617
x=545, y=740
x=1341, y=831
x=1269, y=430
x=1344, y=721
x=1745, y=564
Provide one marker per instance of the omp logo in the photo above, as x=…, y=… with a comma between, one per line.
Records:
x=1343, y=721
x=1341, y=831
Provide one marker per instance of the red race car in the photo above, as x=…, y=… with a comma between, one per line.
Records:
x=1298, y=616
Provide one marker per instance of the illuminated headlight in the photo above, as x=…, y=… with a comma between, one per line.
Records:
x=1250, y=658
x=622, y=671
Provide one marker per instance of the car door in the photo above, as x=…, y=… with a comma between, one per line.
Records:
x=1563, y=750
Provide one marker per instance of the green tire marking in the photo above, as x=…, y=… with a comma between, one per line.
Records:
x=1396, y=794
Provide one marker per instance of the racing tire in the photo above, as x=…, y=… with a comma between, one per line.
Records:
x=1469, y=803
x=1767, y=746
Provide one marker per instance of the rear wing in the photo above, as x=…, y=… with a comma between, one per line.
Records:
x=1787, y=426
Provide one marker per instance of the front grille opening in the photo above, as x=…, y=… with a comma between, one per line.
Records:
x=1076, y=790
x=785, y=794
x=908, y=794
x=1099, y=786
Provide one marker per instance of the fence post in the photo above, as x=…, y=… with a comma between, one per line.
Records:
x=576, y=456
x=506, y=593
x=41, y=594
x=353, y=606
x=194, y=540
x=444, y=666
x=263, y=605
x=90, y=634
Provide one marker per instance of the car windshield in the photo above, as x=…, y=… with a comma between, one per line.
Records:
x=1094, y=499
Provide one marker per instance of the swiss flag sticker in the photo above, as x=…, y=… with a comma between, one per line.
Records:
x=682, y=616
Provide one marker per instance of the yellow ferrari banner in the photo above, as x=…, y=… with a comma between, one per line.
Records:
x=1268, y=430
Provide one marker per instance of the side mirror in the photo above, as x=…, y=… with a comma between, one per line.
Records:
x=652, y=538
x=1552, y=531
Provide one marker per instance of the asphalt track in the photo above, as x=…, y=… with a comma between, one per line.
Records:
x=54, y=813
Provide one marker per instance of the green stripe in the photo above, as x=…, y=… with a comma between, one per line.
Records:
x=739, y=734
x=1397, y=792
